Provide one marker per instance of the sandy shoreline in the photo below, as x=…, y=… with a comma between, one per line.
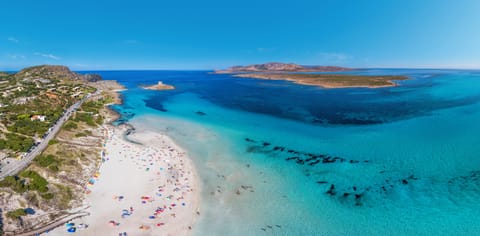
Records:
x=328, y=84
x=149, y=188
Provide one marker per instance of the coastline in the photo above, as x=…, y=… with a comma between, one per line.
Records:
x=324, y=81
x=165, y=175
x=157, y=168
x=111, y=88
x=173, y=190
x=143, y=188
x=78, y=149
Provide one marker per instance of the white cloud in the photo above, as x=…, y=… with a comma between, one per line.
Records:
x=47, y=55
x=16, y=56
x=13, y=39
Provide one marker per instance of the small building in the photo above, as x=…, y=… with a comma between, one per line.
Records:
x=22, y=100
x=43, y=81
x=51, y=95
x=38, y=117
x=76, y=95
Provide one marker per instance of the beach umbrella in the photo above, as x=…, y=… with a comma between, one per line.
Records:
x=30, y=211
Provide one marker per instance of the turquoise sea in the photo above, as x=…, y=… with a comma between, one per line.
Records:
x=276, y=158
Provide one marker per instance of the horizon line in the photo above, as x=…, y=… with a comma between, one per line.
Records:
x=352, y=68
x=196, y=69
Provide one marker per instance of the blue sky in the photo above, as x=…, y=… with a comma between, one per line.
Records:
x=141, y=34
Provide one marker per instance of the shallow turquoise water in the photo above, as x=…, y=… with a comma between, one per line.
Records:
x=390, y=161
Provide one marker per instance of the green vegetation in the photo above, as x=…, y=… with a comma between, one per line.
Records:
x=89, y=112
x=42, y=90
x=50, y=161
x=26, y=181
x=47, y=196
x=93, y=106
x=70, y=125
x=85, y=133
x=66, y=195
x=52, y=142
x=28, y=127
x=108, y=100
x=45, y=161
x=54, y=168
x=16, y=213
x=36, y=182
x=85, y=117
x=81, y=134
x=331, y=80
x=45, y=94
x=99, y=120
x=16, y=142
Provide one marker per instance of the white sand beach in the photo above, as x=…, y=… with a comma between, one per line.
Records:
x=149, y=188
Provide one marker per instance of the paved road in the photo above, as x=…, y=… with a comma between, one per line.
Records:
x=14, y=167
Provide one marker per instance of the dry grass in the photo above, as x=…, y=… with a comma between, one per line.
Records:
x=332, y=80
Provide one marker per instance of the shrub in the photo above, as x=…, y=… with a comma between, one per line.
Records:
x=52, y=142
x=54, y=168
x=16, y=142
x=16, y=213
x=45, y=161
x=70, y=125
x=81, y=134
x=47, y=196
x=37, y=182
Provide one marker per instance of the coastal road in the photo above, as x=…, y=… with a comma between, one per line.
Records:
x=14, y=167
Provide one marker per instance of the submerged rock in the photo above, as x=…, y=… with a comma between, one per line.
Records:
x=331, y=190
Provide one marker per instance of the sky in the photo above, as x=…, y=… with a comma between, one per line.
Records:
x=206, y=34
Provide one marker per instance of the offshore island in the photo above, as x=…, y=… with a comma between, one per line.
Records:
x=159, y=86
x=304, y=75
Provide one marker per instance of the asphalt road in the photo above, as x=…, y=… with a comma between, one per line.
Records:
x=14, y=167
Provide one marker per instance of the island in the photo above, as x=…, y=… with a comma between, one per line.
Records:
x=159, y=86
x=309, y=75
x=280, y=67
x=332, y=80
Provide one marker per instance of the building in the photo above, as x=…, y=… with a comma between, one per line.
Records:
x=51, y=95
x=38, y=117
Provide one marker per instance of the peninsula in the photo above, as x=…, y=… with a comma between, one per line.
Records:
x=331, y=80
x=159, y=86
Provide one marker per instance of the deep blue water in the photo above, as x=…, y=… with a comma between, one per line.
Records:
x=311, y=161
x=305, y=103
